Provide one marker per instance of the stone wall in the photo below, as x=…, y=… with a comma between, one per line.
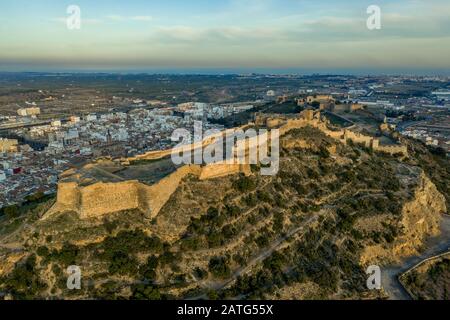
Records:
x=393, y=150
x=69, y=196
x=358, y=138
x=102, y=198
x=156, y=196
x=218, y=170
x=159, y=154
x=99, y=199
x=313, y=119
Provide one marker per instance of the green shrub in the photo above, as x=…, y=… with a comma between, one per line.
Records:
x=218, y=266
x=244, y=184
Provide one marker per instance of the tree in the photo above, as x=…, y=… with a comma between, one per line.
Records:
x=244, y=184
x=146, y=292
x=218, y=266
x=11, y=211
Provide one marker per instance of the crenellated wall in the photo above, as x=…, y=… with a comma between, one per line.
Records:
x=313, y=119
x=218, y=170
x=393, y=150
x=100, y=198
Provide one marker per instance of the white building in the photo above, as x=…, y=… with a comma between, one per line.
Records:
x=32, y=111
x=74, y=119
x=270, y=93
x=56, y=123
x=91, y=117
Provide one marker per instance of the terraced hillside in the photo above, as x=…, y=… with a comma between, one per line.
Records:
x=308, y=232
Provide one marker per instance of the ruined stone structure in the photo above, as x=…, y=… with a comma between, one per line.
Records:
x=314, y=119
x=321, y=98
x=101, y=198
x=96, y=189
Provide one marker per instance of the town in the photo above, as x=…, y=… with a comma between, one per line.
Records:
x=36, y=146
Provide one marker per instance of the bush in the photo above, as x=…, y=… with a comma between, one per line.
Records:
x=264, y=196
x=218, y=266
x=122, y=263
x=275, y=262
x=262, y=241
x=11, y=211
x=200, y=273
x=37, y=197
x=110, y=226
x=244, y=184
x=146, y=292
x=67, y=255
x=148, y=271
x=43, y=252
x=23, y=282
x=131, y=242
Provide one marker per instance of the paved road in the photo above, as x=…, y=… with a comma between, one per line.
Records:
x=434, y=246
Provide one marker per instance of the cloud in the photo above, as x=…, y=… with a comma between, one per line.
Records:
x=188, y=34
x=87, y=21
x=142, y=18
x=115, y=17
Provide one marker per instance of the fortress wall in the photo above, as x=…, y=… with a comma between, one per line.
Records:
x=218, y=170
x=103, y=198
x=341, y=135
x=273, y=123
x=393, y=149
x=69, y=196
x=159, y=154
x=158, y=194
x=293, y=124
x=358, y=138
x=152, y=155
x=338, y=135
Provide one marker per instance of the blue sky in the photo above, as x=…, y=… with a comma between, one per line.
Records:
x=225, y=34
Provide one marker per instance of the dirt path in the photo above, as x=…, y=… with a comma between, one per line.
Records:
x=434, y=246
x=274, y=246
x=268, y=251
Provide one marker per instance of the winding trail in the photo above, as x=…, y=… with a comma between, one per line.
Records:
x=259, y=257
x=434, y=246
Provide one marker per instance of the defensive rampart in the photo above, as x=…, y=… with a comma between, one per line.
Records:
x=100, y=198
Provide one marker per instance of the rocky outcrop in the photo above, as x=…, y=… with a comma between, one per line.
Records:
x=420, y=219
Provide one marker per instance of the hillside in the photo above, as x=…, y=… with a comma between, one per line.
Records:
x=308, y=232
x=430, y=280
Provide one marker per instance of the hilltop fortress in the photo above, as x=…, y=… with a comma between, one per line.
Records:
x=314, y=119
x=147, y=182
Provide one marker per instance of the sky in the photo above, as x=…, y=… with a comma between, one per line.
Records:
x=253, y=35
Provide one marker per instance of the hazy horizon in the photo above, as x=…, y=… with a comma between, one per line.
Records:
x=303, y=36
